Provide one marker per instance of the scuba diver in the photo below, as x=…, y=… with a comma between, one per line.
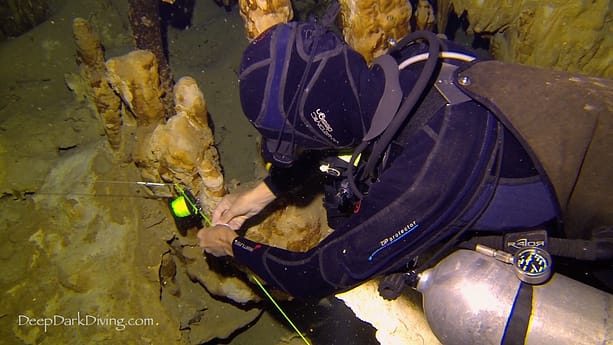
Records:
x=443, y=146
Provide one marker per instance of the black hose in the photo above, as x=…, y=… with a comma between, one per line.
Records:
x=405, y=109
x=600, y=249
x=411, y=100
x=594, y=250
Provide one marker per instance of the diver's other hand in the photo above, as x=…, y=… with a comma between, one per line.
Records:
x=217, y=240
x=235, y=209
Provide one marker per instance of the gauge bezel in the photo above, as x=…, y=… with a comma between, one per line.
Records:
x=533, y=278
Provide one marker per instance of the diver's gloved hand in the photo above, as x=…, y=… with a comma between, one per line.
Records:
x=235, y=209
x=217, y=240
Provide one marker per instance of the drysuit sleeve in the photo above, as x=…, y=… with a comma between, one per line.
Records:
x=419, y=201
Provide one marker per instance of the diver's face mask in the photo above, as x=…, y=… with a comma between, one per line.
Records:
x=280, y=153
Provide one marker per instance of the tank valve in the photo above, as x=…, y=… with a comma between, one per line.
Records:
x=495, y=253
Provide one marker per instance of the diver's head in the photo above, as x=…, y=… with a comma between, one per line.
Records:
x=299, y=88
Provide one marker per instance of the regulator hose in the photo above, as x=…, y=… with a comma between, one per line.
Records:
x=405, y=109
x=599, y=248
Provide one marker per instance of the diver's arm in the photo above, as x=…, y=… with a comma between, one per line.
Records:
x=217, y=240
x=418, y=203
x=297, y=273
x=235, y=209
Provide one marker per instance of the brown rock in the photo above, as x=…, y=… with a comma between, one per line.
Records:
x=135, y=78
x=424, y=16
x=293, y=227
x=182, y=150
x=370, y=26
x=260, y=15
x=572, y=36
x=90, y=58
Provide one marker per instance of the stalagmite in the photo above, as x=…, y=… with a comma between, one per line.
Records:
x=90, y=58
x=260, y=15
x=369, y=27
x=180, y=149
x=135, y=78
x=172, y=146
x=183, y=148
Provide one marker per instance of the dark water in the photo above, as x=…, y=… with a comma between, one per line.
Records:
x=330, y=322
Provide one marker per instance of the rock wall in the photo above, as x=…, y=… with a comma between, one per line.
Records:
x=573, y=36
x=260, y=15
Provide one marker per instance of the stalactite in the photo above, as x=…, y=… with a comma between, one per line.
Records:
x=90, y=58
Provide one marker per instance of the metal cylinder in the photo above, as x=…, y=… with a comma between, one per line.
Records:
x=470, y=298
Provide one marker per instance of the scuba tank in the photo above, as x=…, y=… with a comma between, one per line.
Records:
x=472, y=298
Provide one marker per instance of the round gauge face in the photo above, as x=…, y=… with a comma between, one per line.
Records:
x=532, y=265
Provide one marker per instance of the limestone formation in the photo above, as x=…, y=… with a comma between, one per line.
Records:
x=260, y=15
x=293, y=227
x=370, y=27
x=179, y=150
x=573, y=36
x=92, y=71
x=182, y=149
x=197, y=295
x=223, y=285
x=424, y=16
x=135, y=78
x=398, y=322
